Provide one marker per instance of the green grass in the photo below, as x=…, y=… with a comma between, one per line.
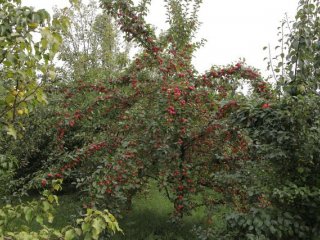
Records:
x=149, y=219
x=68, y=210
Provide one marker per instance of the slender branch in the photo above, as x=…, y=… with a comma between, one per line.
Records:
x=4, y=52
x=168, y=194
x=282, y=50
x=15, y=102
x=288, y=25
x=200, y=135
x=270, y=61
x=297, y=55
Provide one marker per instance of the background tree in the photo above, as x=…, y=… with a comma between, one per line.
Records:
x=286, y=134
x=92, y=46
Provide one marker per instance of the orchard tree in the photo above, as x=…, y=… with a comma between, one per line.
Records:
x=158, y=120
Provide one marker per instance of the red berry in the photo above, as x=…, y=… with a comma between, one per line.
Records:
x=43, y=182
x=58, y=175
x=71, y=123
x=266, y=105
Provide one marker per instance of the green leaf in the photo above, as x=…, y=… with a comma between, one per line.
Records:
x=46, y=206
x=52, y=74
x=78, y=231
x=85, y=227
x=74, y=2
x=300, y=170
x=28, y=213
x=11, y=131
x=50, y=218
x=70, y=234
x=51, y=198
x=39, y=219
x=88, y=236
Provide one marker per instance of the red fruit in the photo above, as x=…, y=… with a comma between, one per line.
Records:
x=58, y=175
x=184, y=120
x=181, y=75
x=183, y=130
x=134, y=83
x=266, y=105
x=182, y=102
x=71, y=123
x=43, y=182
x=155, y=49
x=50, y=175
x=230, y=71
x=171, y=110
x=176, y=173
x=177, y=91
x=179, y=207
x=109, y=191
x=233, y=103
x=214, y=74
x=149, y=39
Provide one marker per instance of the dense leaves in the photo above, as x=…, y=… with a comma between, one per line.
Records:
x=23, y=58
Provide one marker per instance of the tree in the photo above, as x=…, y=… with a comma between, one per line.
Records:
x=92, y=46
x=23, y=58
x=156, y=120
x=286, y=134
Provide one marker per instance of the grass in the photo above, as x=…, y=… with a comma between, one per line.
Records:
x=149, y=218
x=68, y=210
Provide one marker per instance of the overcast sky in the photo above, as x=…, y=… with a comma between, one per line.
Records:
x=233, y=28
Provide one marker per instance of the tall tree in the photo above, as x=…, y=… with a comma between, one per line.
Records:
x=92, y=45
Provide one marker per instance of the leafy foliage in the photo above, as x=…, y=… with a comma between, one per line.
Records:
x=23, y=58
x=91, y=226
x=92, y=47
x=286, y=135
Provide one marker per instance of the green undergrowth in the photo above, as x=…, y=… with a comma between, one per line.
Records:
x=149, y=219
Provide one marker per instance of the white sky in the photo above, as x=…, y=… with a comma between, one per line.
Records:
x=233, y=28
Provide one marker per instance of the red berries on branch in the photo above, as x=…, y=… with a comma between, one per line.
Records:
x=265, y=105
x=43, y=182
x=171, y=110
